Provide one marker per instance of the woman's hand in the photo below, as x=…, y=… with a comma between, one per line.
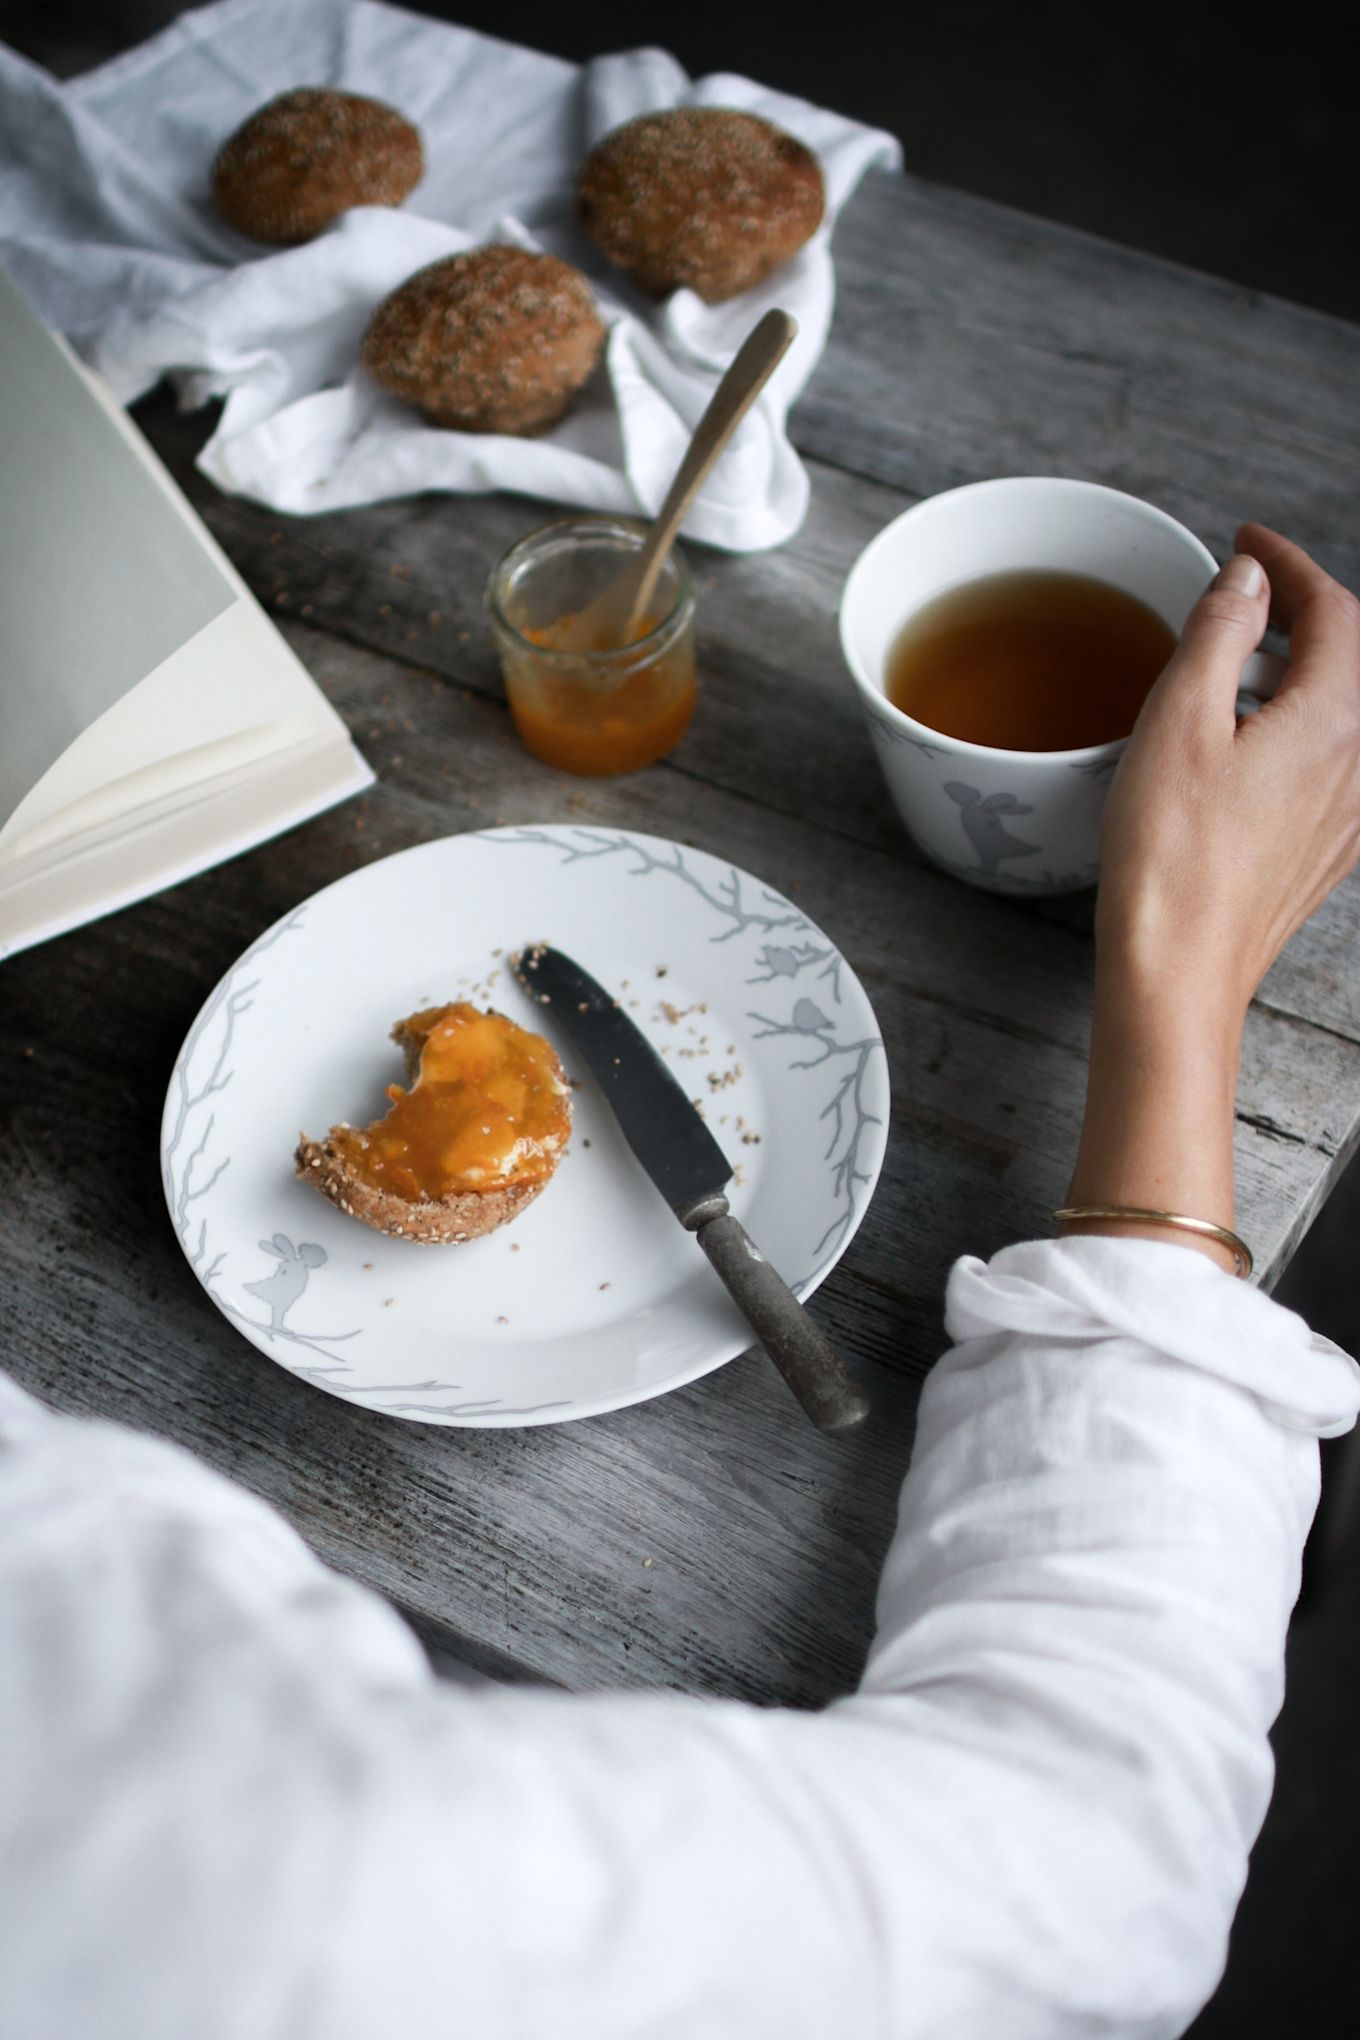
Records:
x=1220, y=838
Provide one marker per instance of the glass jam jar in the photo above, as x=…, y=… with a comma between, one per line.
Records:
x=597, y=709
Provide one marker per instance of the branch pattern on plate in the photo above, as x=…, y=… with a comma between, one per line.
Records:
x=727, y=900
x=846, y=1108
x=231, y=1000
x=850, y=1062
x=787, y=963
x=190, y=1168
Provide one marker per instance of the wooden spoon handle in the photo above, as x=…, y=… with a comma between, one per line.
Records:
x=752, y=366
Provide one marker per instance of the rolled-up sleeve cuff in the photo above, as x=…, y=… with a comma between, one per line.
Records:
x=1084, y=1291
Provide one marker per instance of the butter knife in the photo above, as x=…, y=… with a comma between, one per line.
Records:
x=691, y=1172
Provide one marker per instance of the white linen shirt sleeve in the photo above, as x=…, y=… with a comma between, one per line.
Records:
x=235, y=1803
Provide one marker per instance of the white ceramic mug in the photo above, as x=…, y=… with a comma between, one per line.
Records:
x=1023, y=822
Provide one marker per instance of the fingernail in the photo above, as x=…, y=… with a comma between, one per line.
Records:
x=1242, y=574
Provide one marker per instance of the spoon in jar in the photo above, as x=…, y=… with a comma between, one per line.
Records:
x=613, y=617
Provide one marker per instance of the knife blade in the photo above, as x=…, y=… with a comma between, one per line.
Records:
x=691, y=1172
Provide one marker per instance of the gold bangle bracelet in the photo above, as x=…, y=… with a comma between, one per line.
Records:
x=1134, y=1214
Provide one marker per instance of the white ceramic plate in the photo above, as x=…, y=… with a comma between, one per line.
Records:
x=595, y=1297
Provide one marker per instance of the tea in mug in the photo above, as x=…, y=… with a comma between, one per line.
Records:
x=1029, y=661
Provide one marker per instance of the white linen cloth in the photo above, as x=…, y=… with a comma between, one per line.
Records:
x=107, y=223
x=234, y=1803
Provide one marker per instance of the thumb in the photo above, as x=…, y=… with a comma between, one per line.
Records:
x=1222, y=630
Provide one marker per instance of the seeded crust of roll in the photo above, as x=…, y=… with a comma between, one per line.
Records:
x=449, y=1222
x=310, y=155
x=701, y=195
x=446, y=1221
x=497, y=339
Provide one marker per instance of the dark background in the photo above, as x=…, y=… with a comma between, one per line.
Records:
x=1219, y=136
x=1215, y=136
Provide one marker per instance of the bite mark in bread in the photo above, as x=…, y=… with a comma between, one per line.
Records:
x=475, y=1139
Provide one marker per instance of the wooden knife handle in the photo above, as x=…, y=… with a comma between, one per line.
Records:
x=805, y=1358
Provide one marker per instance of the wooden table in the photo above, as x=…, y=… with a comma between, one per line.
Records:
x=969, y=341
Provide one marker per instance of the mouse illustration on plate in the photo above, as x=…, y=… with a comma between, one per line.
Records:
x=281, y=1289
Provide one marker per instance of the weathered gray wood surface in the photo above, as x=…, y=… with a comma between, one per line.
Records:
x=983, y=343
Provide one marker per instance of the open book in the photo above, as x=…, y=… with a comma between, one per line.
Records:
x=152, y=720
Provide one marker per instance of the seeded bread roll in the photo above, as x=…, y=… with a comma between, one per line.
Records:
x=450, y=1222
x=458, y=1215
x=307, y=157
x=702, y=195
x=494, y=340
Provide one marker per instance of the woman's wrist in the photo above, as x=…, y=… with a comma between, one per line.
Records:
x=1169, y=1015
x=1180, y=975
x=1158, y=1129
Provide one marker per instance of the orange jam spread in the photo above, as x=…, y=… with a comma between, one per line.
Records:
x=583, y=718
x=489, y=1107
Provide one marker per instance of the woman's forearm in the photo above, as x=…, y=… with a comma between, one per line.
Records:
x=1158, y=1131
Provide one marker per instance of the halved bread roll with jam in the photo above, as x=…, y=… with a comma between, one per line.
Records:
x=474, y=1139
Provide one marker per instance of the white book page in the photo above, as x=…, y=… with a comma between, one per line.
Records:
x=236, y=685
x=103, y=574
x=172, y=841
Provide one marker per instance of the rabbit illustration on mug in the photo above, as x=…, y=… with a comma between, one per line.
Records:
x=281, y=1289
x=984, y=828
